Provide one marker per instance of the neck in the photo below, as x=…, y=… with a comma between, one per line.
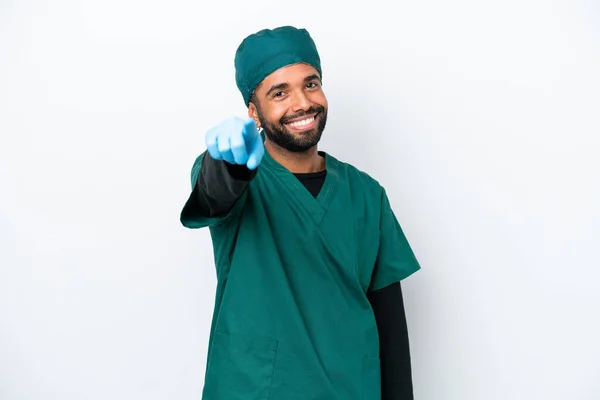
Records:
x=297, y=163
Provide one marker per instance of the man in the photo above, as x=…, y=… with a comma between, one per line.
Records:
x=308, y=252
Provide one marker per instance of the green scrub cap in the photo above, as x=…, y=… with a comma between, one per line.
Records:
x=266, y=51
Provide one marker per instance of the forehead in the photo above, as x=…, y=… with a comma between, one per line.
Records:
x=290, y=74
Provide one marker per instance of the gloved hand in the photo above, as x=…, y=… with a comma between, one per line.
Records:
x=236, y=141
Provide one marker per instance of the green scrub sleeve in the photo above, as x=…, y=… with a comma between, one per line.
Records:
x=218, y=191
x=395, y=259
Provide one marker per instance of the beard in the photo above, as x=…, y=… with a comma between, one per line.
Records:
x=298, y=142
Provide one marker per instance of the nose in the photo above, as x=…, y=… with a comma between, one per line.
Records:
x=300, y=101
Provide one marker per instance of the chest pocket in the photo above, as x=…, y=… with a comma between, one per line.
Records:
x=367, y=247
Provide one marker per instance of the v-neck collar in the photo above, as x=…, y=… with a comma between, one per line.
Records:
x=316, y=206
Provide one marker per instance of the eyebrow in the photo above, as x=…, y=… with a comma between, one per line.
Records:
x=280, y=86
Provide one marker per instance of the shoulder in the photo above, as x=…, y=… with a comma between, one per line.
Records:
x=357, y=179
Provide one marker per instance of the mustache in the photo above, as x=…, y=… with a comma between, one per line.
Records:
x=311, y=110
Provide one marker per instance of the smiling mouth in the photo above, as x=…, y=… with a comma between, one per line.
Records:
x=302, y=124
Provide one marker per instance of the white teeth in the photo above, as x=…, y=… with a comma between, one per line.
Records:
x=299, y=124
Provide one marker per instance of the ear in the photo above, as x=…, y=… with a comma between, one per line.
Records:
x=252, y=113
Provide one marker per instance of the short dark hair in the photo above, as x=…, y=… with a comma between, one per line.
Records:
x=254, y=99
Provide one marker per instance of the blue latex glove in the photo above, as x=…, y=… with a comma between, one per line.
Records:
x=236, y=141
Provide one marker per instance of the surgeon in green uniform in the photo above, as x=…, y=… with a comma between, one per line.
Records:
x=308, y=252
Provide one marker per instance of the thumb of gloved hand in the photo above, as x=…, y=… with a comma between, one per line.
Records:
x=254, y=144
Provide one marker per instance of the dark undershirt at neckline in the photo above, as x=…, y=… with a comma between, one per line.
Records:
x=313, y=181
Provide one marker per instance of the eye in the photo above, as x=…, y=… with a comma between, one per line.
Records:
x=313, y=85
x=278, y=94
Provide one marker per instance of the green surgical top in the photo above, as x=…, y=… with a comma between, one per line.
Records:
x=292, y=320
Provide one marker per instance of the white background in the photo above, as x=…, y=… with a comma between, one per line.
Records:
x=481, y=119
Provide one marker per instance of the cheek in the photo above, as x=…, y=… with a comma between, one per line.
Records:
x=319, y=98
x=276, y=113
